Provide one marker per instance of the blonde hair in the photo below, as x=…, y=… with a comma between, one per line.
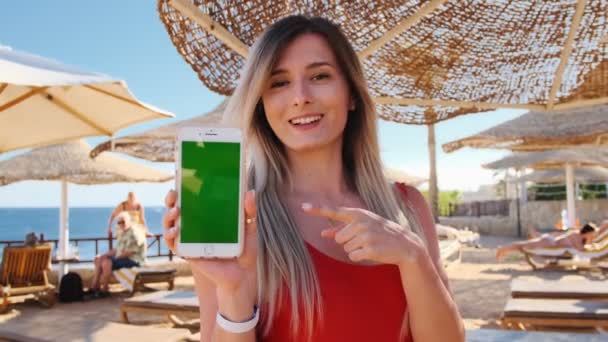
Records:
x=282, y=254
x=126, y=217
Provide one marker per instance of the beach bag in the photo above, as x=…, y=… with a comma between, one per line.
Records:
x=70, y=289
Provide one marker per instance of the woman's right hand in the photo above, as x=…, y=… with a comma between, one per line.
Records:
x=227, y=274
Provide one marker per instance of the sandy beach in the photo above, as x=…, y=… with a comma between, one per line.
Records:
x=479, y=283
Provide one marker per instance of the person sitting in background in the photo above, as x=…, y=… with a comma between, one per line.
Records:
x=135, y=211
x=130, y=252
x=572, y=239
x=31, y=240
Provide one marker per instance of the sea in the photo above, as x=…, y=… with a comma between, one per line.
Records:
x=16, y=223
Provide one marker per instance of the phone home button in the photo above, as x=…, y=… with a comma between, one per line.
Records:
x=208, y=250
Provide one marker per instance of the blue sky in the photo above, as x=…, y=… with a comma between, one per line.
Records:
x=127, y=40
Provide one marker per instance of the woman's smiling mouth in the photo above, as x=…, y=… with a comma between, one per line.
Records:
x=306, y=121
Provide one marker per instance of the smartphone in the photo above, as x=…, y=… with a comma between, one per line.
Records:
x=210, y=183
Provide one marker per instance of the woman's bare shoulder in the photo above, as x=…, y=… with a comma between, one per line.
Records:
x=415, y=195
x=416, y=200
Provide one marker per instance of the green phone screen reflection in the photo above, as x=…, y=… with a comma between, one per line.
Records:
x=209, y=192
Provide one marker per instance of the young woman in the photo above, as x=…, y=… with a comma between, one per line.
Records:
x=576, y=240
x=135, y=210
x=333, y=251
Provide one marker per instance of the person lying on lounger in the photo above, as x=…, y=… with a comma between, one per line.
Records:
x=576, y=240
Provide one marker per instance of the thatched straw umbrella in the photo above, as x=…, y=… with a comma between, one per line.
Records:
x=43, y=102
x=567, y=159
x=460, y=58
x=552, y=159
x=158, y=144
x=70, y=163
x=581, y=175
x=540, y=131
x=425, y=61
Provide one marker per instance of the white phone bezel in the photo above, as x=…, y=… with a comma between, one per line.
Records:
x=211, y=134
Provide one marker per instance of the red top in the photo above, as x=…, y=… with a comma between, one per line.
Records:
x=359, y=303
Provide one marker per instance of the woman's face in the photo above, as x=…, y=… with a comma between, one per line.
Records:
x=307, y=98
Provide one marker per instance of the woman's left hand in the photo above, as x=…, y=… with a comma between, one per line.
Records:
x=366, y=236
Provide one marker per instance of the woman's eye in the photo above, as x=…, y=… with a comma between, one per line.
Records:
x=277, y=84
x=320, y=76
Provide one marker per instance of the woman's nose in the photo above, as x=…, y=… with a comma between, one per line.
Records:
x=301, y=93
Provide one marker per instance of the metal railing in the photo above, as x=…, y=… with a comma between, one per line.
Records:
x=152, y=241
x=480, y=208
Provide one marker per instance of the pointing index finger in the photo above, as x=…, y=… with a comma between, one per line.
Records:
x=337, y=214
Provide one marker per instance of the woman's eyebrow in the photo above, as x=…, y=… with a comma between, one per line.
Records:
x=309, y=66
x=318, y=64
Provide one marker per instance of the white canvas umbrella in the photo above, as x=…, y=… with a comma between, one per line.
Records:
x=70, y=163
x=44, y=102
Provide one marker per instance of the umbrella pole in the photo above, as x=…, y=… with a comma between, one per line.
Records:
x=433, y=187
x=523, y=194
x=64, y=237
x=570, y=200
x=518, y=202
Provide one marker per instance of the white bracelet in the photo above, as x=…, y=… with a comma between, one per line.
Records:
x=238, y=327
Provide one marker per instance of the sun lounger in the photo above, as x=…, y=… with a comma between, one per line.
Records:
x=170, y=303
x=579, y=289
x=593, y=254
x=450, y=251
x=491, y=335
x=94, y=331
x=465, y=237
x=523, y=313
x=24, y=272
x=136, y=278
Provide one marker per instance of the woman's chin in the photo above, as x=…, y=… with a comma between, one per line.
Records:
x=311, y=145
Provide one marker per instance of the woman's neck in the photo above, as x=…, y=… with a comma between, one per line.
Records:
x=318, y=174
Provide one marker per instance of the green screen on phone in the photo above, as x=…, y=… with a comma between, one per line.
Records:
x=209, y=192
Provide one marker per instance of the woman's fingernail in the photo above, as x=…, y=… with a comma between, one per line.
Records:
x=306, y=206
x=330, y=233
